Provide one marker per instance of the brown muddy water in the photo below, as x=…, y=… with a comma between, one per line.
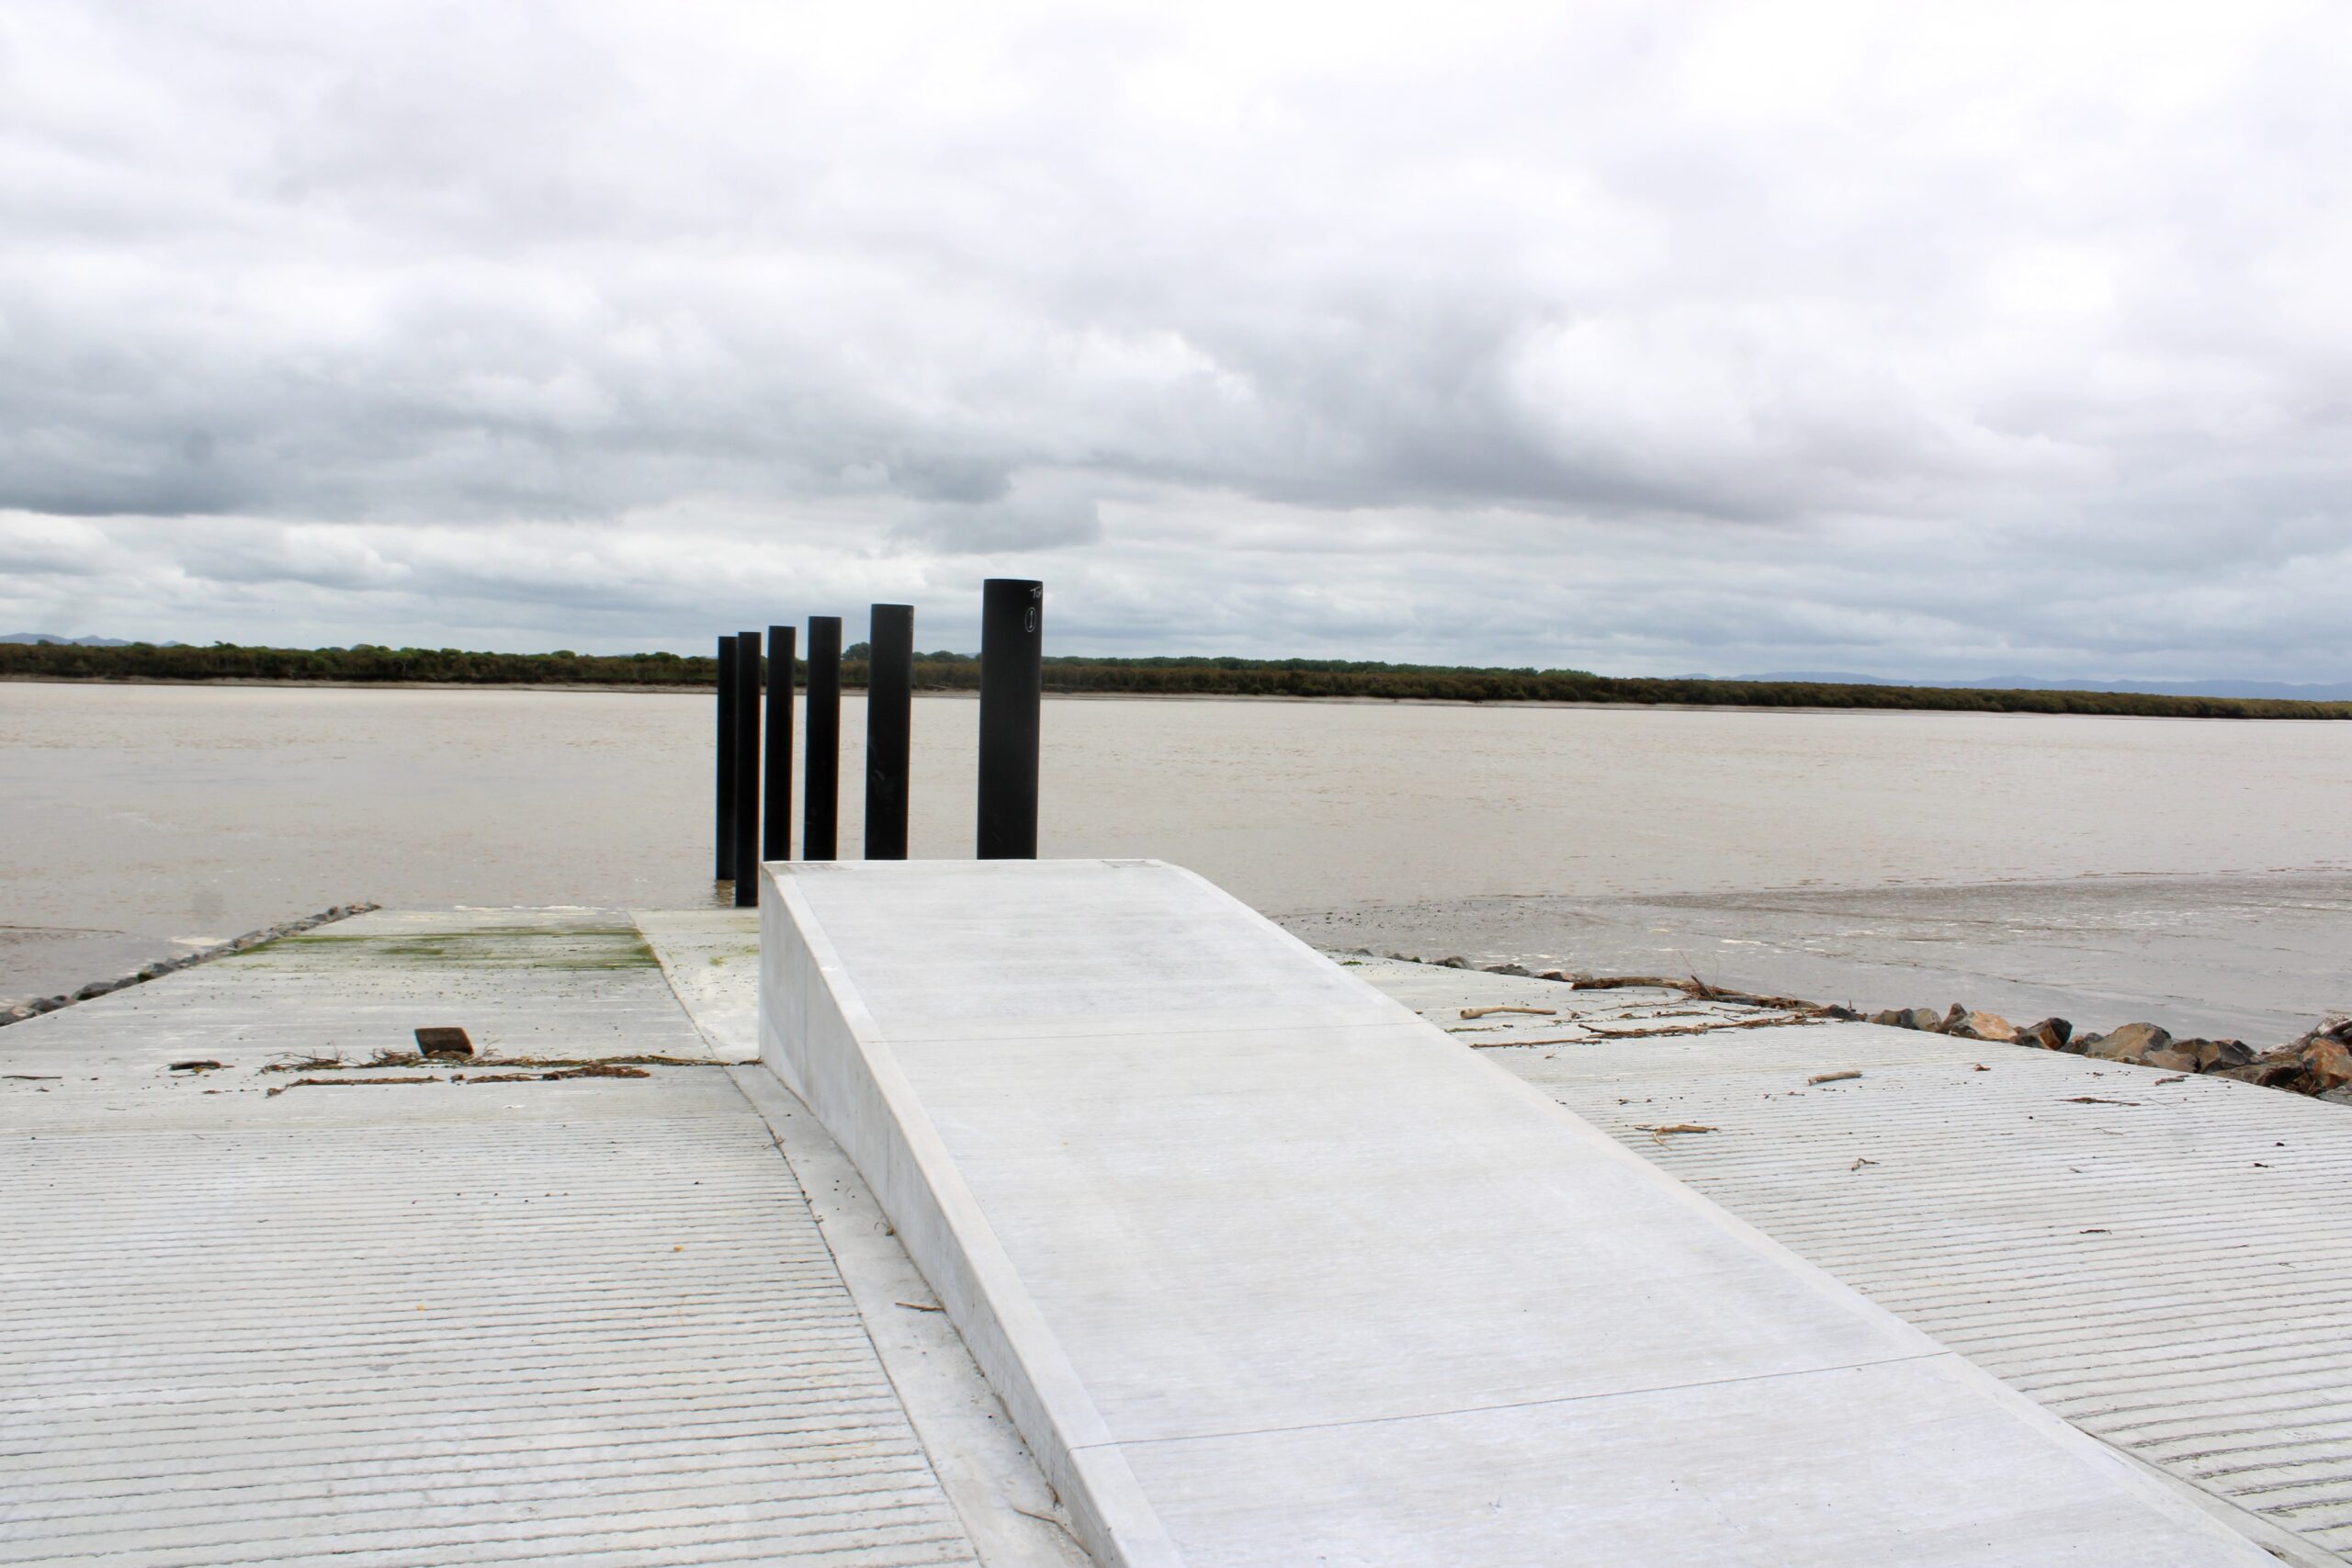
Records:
x=2114, y=865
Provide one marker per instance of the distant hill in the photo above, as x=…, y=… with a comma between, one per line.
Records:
x=2277, y=691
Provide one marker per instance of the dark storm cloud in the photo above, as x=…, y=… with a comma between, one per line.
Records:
x=1947, y=340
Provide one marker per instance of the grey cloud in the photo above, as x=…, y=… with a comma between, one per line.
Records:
x=1048, y=514
x=1775, y=336
x=973, y=481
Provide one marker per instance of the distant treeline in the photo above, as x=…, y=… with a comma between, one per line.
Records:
x=1163, y=676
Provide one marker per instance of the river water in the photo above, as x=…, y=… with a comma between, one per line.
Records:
x=2037, y=862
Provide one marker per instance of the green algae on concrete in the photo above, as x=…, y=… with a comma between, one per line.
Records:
x=499, y=947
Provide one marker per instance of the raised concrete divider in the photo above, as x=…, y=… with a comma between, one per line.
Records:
x=1269, y=1271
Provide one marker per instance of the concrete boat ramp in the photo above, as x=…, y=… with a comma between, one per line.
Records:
x=1243, y=1260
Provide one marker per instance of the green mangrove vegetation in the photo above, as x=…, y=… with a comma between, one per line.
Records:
x=1159, y=676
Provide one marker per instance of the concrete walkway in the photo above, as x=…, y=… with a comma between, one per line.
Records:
x=1270, y=1273
x=247, y=1318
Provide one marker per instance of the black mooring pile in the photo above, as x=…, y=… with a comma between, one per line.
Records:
x=755, y=822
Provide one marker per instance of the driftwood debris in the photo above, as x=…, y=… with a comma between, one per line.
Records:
x=584, y=1070
x=411, y=1059
x=1598, y=1034
x=557, y=1068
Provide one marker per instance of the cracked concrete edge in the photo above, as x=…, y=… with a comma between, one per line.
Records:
x=1000, y=1494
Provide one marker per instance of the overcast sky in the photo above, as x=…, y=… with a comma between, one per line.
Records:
x=1942, y=339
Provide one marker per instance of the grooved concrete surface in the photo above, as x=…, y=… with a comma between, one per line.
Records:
x=2165, y=1266
x=587, y=1321
x=244, y=1266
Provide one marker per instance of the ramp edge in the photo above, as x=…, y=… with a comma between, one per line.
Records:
x=850, y=1079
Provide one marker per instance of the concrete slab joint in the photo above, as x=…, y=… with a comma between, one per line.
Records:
x=1268, y=1270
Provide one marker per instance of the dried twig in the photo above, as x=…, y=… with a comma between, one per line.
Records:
x=1665, y=1130
x=1708, y=1028
x=347, y=1083
x=1599, y=1034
